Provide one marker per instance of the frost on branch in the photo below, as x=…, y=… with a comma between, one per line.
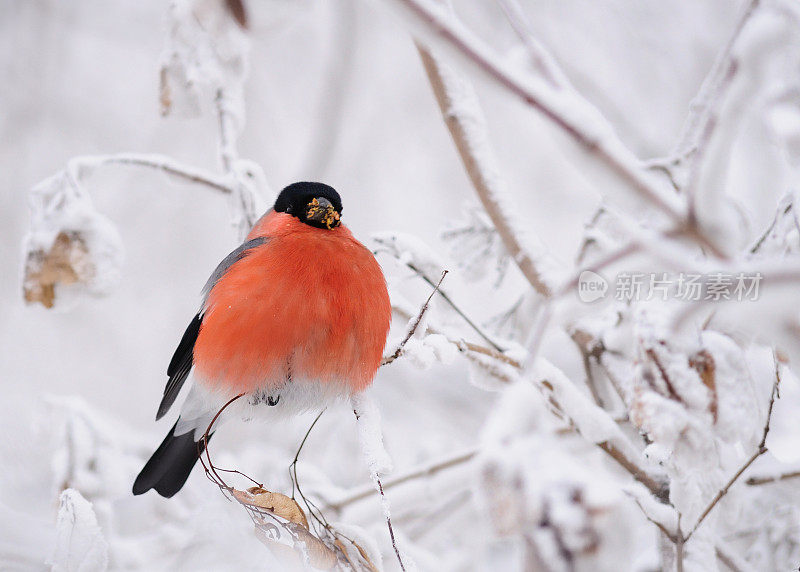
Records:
x=206, y=52
x=71, y=250
x=370, y=435
x=80, y=545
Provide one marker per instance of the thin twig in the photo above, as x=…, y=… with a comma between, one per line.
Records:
x=310, y=506
x=612, y=378
x=211, y=468
x=389, y=524
x=300, y=448
x=762, y=448
x=730, y=560
x=660, y=490
x=662, y=371
x=724, y=490
x=227, y=132
x=399, y=350
x=424, y=472
x=463, y=345
x=478, y=349
x=781, y=211
x=438, y=515
x=455, y=307
x=772, y=478
x=660, y=525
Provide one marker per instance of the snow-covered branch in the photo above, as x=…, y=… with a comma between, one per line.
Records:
x=572, y=114
x=464, y=119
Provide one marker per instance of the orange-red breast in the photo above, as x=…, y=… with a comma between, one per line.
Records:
x=294, y=317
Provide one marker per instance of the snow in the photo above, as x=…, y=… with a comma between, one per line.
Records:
x=370, y=435
x=80, y=545
x=591, y=421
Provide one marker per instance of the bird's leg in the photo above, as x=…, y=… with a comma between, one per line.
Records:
x=273, y=401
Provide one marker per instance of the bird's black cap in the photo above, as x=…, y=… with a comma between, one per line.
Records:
x=294, y=198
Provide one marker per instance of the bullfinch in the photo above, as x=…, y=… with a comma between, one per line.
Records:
x=294, y=318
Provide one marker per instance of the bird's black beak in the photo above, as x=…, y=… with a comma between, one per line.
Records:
x=321, y=212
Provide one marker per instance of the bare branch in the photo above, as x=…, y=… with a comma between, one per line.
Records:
x=413, y=328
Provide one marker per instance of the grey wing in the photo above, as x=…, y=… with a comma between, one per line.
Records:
x=229, y=261
x=182, y=361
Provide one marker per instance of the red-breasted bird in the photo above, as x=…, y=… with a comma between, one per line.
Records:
x=294, y=317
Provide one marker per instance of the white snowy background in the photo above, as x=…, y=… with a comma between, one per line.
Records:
x=337, y=92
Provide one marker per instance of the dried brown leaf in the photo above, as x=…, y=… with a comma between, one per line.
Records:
x=703, y=363
x=238, y=11
x=319, y=555
x=165, y=92
x=276, y=503
x=67, y=262
x=367, y=562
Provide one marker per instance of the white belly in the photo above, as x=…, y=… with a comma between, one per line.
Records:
x=296, y=396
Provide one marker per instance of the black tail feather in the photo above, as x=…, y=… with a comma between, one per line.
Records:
x=171, y=464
